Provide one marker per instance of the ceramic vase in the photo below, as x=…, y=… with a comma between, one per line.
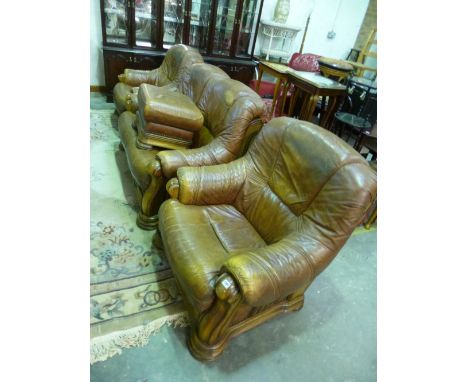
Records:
x=281, y=11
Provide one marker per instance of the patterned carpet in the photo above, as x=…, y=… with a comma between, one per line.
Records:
x=133, y=292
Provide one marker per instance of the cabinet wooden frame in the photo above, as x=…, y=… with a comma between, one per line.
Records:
x=118, y=56
x=158, y=32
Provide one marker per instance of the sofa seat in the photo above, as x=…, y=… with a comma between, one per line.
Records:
x=189, y=231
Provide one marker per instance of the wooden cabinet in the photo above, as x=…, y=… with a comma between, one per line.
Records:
x=137, y=33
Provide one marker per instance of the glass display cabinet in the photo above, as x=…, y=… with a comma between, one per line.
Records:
x=137, y=33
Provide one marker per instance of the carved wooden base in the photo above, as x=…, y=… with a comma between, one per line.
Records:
x=143, y=146
x=148, y=223
x=204, y=352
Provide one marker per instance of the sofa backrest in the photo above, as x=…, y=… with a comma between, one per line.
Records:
x=305, y=181
x=176, y=65
x=232, y=115
x=229, y=107
x=198, y=77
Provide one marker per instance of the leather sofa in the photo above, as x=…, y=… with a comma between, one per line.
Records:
x=246, y=239
x=232, y=115
x=173, y=71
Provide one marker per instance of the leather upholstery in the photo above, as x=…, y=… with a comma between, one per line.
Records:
x=169, y=108
x=173, y=73
x=228, y=107
x=272, y=220
x=231, y=113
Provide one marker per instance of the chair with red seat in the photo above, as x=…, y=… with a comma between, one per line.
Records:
x=306, y=62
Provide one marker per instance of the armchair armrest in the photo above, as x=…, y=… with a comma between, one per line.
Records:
x=172, y=187
x=134, y=77
x=209, y=155
x=271, y=273
x=208, y=185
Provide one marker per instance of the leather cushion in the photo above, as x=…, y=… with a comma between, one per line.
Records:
x=198, y=240
x=168, y=107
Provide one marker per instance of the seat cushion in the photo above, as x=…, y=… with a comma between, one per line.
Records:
x=167, y=107
x=161, y=136
x=197, y=240
x=306, y=62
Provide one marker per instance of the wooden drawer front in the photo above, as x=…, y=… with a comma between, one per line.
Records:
x=239, y=72
x=144, y=62
x=115, y=64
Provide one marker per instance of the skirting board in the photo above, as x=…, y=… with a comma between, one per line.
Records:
x=97, y=89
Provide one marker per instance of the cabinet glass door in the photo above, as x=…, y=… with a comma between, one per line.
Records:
x=250, y=14
x=174, y=12
x=200, y=24
x=145, y=23
x=116, y=21
x=225, y=18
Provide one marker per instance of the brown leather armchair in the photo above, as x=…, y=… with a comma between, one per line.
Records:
x=232, y=115
x=247, y=238
x=173, y=70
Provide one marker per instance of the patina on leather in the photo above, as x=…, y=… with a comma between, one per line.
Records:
x=169, y=108
x=228, y=107
x=231, y=113
x=265, y=224
x=173, y=73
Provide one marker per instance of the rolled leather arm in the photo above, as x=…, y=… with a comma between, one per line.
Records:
x=271, y=273
x=212, y=154
x=209, y=185
x=134, y=77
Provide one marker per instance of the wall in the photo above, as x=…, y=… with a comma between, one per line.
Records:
x=96, y=61
x=347, y=25
x=370, y=22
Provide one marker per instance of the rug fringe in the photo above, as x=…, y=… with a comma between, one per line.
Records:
x=107, y=346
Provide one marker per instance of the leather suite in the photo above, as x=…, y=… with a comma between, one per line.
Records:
x=231, y=116
x=255, y=213
x=245, y=239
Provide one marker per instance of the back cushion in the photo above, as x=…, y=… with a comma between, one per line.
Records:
x=176, y=64
x=292, y=164
x=306, y=62
x=228, y=107
x=200, y=75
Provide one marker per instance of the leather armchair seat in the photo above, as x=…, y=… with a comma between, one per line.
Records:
x=231, y=116
x=170, y=74
x=246, y=239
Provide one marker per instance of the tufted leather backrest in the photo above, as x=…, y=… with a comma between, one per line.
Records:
x=231, y=112
x=199, y=76
x=176, y=65
x=229, y=106
x=304, y=180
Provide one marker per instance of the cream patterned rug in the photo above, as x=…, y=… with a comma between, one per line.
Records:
x=133, y=293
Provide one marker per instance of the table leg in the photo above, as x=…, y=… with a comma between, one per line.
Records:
x=292, y=104
x=327, y=111
x=275, y=95
x=311, y=107
x=285, y=96
x=259, y=80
